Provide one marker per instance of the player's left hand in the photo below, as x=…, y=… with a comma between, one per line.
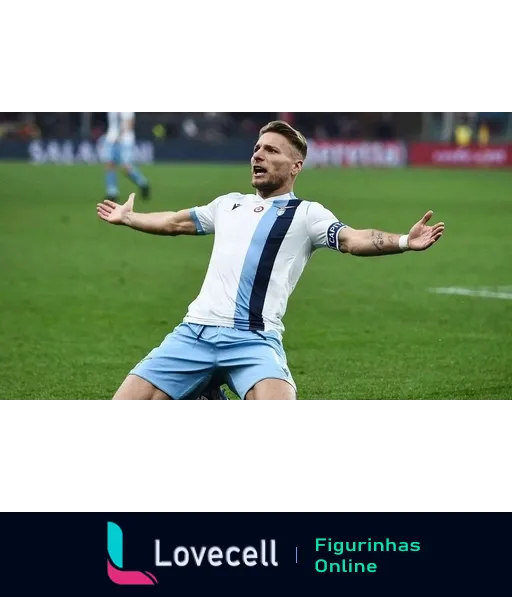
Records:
x=421, y=236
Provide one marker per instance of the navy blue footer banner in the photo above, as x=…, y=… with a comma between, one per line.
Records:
x=256, y=553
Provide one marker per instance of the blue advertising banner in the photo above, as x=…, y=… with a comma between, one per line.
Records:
x=341, y=154
x=71, y=151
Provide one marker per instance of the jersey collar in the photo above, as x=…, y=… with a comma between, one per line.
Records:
x=279, y=198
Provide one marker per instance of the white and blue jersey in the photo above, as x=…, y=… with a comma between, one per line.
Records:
x=232, y=332
x=118, y=143
x=260, y=250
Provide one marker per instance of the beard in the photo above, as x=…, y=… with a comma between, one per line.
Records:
x=268, y=184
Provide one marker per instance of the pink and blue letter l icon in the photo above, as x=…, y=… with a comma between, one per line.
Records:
x=115, y=561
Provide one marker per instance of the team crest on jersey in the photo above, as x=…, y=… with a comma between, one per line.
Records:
x=258, y=209
x=281, y=211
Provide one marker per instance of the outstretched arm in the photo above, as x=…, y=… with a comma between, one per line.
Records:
x=371, y=243
x=165, y=223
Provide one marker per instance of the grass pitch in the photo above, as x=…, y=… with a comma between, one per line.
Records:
x=81, y=301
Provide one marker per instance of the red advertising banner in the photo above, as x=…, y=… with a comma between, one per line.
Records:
x=385, y=154
x=451, y=156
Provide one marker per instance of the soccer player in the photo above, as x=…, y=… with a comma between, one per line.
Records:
x=118, y=149
x=233, y=329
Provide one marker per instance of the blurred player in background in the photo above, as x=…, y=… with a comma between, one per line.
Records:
x=232, y=332
x=118, y=152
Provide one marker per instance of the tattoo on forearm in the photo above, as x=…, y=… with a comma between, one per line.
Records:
x=378, y=240
x=392, y=240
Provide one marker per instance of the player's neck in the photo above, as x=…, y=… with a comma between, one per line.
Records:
x=276, y=193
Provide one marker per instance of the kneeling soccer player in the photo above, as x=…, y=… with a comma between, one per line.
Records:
x=263, y=241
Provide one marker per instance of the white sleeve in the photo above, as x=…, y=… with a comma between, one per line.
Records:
x=323, y=227
x=204, y=217
x=127, y=116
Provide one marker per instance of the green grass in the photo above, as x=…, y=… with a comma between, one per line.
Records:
x=81, y=301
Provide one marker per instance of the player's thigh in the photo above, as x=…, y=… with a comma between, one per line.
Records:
x=249, y=358
x=108, y=152
x=125, y=157
x=136, y=388
x=181, y=366
x=272, y=389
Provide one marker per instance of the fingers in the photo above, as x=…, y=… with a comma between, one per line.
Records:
x=103, y=215
x=433, y=239
x=427, y=217
x=104, y=210
x=105, y=207
x=130, y=201
x=426, y=240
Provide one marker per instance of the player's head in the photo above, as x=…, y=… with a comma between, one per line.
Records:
x=278, y=157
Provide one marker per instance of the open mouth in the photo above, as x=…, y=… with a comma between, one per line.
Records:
x=258, y=170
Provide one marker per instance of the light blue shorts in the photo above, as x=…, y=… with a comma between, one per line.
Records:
x=118, y=153
x=193, y=355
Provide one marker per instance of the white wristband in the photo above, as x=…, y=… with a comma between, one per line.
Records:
x=403, y=242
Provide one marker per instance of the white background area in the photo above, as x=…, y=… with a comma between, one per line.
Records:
x=433, y=494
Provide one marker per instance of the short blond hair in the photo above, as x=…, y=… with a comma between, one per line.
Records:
x=295, y=137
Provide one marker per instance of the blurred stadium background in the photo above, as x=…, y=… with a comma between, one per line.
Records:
x=82, y=302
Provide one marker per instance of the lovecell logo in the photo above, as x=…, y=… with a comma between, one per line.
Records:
x=168, y=556
x=115, y=570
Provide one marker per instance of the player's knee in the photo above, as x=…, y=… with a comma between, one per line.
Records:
x=136, y=388
x=272, y=389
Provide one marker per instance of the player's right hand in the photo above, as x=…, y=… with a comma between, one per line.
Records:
x=113, y=213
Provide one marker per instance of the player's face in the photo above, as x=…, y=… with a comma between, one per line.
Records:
x=274, y=163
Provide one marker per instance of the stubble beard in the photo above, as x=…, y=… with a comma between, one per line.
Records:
x=267, y=186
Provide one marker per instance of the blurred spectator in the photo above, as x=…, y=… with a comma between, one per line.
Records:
x=29, y=130
x=463, y=132
x=248, y=127
x=8, y=124
x=159, y=131
x=19, y=126
x=347, y=127
x=497, y=122
x=321, y=132
x=189, y=128
x=216, y=126
x=97, y=130
x=384, y=129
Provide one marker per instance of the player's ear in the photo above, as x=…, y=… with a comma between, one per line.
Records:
x=297, y=167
